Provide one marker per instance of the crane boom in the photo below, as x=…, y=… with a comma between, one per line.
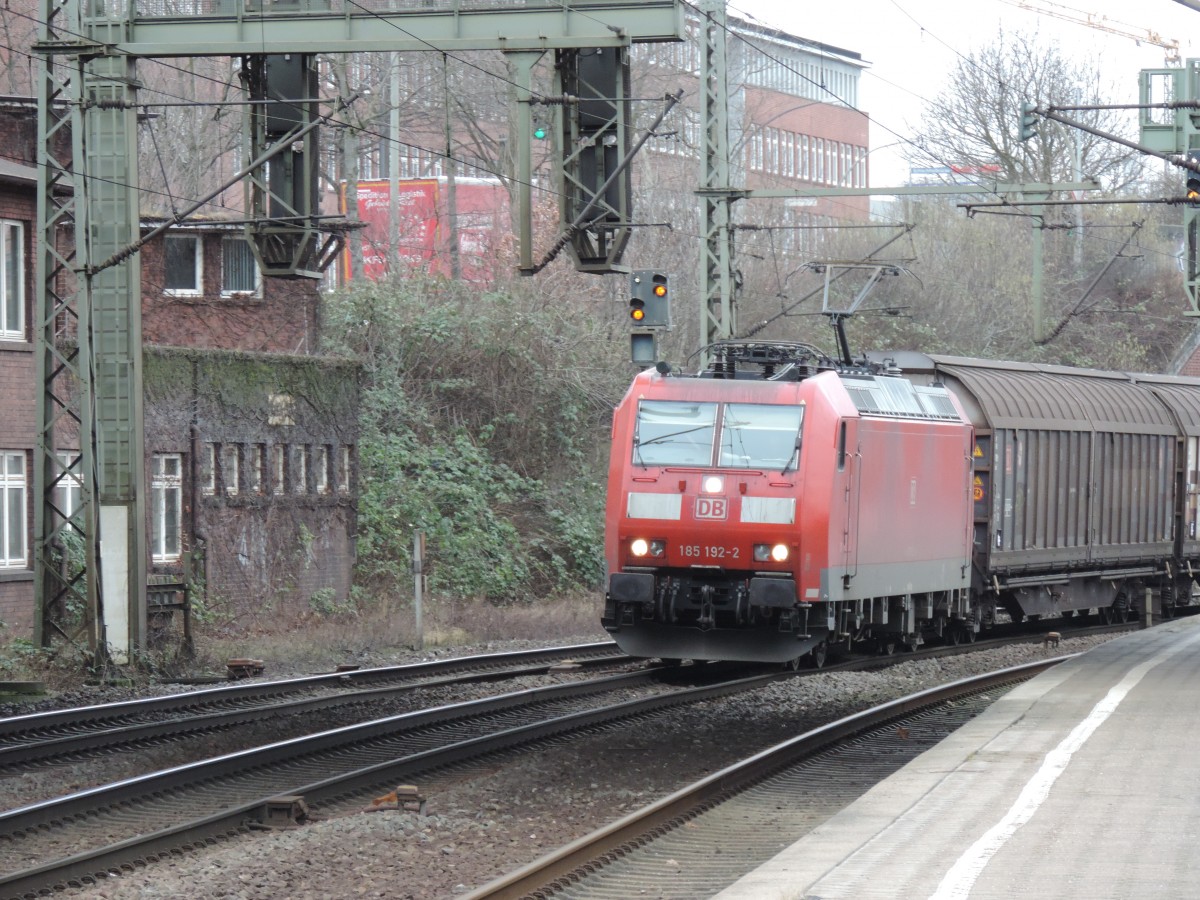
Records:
x=1103, y=23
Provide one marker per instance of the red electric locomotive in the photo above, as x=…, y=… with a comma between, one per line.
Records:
x=781, y=503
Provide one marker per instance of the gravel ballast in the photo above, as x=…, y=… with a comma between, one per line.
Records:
x=489, y=818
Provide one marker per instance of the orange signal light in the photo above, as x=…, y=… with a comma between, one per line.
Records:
x=660, y=290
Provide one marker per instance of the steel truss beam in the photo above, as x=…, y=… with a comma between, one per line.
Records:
x=90, y=572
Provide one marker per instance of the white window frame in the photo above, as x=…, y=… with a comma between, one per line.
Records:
x=12, y=315
x=300, y=470
x=230, y=466
x=14, y=507
x=163, y=484
x=197, y=269
x=321, y=468
x=257, y=468
x=279, y=454
x=344, y=472
x=69, y=489
x=208, y=470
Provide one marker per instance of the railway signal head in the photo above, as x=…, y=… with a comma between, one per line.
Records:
x=1029, y=123
x=1192, y=191
x=650, y=299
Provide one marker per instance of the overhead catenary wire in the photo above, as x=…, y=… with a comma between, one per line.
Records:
x=439, y=154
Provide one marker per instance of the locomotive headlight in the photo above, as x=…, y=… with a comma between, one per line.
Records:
x=643, y=547
x=713, y=484
x=770, y=553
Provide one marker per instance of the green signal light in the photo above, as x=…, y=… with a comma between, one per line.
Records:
x=539, y=133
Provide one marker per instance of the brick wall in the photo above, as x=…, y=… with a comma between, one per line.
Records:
x=18, y=395
x=269, y=549
x=18, y=133
x=817, y=120
x=282, y=318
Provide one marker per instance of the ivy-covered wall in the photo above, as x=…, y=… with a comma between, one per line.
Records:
x=268, y=445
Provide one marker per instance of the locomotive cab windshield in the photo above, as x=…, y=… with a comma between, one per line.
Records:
x=722, y=435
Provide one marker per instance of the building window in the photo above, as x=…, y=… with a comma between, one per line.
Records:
x=321, y=469
x=208, y=470
x=230, y=469
x=13, y=511
x=300, y=471
x=278, y=468
x=166, y=506
x=239, y=268
x=344, y=471
x=12, y=281
x=183, y=265
x=257, y=468
x=68, y=492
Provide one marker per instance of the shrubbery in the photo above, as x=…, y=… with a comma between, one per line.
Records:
x=484, y=424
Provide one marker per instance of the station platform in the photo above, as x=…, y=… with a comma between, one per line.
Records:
x=1081, y=783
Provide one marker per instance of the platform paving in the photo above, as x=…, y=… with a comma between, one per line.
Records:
x=1082, y=783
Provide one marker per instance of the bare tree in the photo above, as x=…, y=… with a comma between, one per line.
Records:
x=975, y=121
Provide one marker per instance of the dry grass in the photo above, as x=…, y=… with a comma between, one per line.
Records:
x=318, y=643
x=377, y=637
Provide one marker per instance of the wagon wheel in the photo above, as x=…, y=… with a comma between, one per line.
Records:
x=885, y=646
x=954, y=634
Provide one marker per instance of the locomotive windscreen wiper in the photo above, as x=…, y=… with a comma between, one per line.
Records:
x=664, y=437
x=681, y=448
x=794, y=457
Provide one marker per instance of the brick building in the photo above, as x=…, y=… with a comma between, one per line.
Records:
x=250, y=434
x=18, y=395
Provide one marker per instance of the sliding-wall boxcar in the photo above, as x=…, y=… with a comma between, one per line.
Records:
x=1084, y=482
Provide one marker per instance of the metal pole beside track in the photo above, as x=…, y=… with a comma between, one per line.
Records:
x=418, y=588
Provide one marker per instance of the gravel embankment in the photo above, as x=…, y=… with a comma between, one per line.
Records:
x=499, y=814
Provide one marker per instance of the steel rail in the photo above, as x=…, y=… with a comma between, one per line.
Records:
x=38, y=736
x=90, y=865
x=587, y=854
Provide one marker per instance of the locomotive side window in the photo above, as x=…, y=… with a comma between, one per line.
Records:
x=674, y=433
x=757, y=436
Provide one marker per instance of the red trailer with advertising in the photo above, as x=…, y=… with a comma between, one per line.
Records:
x=481, y=210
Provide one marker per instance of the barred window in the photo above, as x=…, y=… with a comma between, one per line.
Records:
x=239, y=268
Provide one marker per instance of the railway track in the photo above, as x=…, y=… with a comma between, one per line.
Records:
x=704, y=837
x=59, y=735
x=79, y=838
x=137, y=820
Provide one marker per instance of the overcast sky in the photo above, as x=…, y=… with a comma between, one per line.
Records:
x=913, y=44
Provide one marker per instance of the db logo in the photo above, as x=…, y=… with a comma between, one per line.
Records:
x=711, y=507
